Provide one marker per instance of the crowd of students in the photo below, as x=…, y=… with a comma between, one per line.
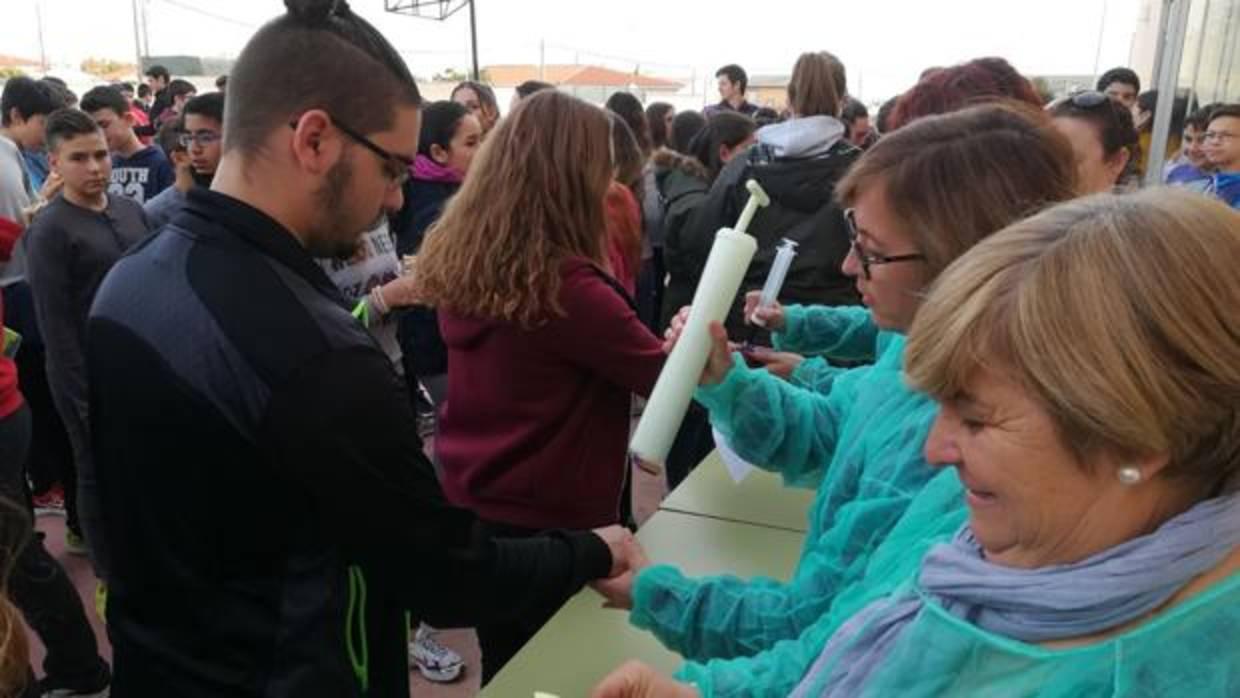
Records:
x=232, y=319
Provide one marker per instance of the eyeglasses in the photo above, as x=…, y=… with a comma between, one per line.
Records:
x=1219, y=136
x=201, y=138
x=870, y=259
x=395, y=167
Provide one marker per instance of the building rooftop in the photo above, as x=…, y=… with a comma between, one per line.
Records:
x=575, y=76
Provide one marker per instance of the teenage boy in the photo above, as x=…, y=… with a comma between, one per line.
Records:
x=193, y=144
x=138, y=171
x=71, y=244
x=733, y=81
x=1222, y=146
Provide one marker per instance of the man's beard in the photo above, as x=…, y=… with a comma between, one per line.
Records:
x=327, y=239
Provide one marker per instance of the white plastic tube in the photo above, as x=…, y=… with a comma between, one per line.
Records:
x=775, y=279
x=665, y=410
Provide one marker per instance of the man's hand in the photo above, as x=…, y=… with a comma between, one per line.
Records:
x=51, y=186
x=620, y=542
x=637, y=680
x=618, y=589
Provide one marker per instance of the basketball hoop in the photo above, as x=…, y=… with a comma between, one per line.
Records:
x=439, y=10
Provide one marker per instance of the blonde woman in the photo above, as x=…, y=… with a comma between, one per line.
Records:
x=544, y=345
x=1087, y=365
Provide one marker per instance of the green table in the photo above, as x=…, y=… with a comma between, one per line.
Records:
x=760, y=499
x=584, y=642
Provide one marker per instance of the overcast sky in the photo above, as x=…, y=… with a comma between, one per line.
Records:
x=884, y=43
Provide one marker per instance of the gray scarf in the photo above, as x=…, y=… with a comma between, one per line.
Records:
x=1118, y=585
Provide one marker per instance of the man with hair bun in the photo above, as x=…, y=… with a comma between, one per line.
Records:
x=275, y=525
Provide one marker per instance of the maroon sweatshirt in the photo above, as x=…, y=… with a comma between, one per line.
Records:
x=536, y=426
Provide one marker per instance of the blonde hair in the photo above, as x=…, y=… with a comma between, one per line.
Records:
x=533, y=198
x=15, y=528
x=953, y=179
x=1117, y=313
x=818, y=85
x=14, y=650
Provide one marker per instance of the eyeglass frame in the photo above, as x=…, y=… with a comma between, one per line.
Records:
x=1219, y=136
x=869, y=259
x=202, y=138
x=388, y=157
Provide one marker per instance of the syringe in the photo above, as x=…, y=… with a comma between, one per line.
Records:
x=784, y=253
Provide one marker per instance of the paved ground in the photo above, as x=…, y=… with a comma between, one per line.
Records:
x=648, y=492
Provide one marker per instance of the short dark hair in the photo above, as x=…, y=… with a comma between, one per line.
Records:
x=221, y=82
x=736, y=74
x=1200, y=118
x=123, y=87
x=630, y=108
x=1124, y=76
x=529, y=87
x=319, y=55
x=685, y=126
x=104, y=97
x=1224, y=110
x=61, y=95
x=210, y=105
x=853, y=110
x=726, y=128
x=1110, y=119
x=64, y=124
x=179, y=88
x=169, y=136
x=29, y=97
x=158, y=71
x=144, y=91
x=439, y=123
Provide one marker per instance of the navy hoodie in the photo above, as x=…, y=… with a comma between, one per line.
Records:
x=142, y=175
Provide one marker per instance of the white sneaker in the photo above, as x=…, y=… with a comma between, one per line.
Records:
x=434, y=661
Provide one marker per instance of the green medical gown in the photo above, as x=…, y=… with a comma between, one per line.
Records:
x=860, y=444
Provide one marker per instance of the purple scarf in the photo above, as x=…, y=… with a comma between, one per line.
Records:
x=427, y=170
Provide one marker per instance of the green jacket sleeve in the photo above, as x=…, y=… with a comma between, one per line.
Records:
x=911, y=526
x=778, y=426
x=843, y=332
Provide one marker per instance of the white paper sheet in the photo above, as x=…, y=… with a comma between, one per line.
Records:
x=738, y=468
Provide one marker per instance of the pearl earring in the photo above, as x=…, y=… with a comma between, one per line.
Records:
x=1130, y=475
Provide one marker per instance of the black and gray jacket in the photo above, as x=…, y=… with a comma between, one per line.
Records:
x=272, y=517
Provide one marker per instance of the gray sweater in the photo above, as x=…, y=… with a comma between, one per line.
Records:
x=15, y=195
x=69, y=251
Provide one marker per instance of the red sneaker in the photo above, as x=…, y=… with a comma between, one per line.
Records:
x=51, y=502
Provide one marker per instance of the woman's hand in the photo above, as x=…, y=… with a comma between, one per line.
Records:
x=772, y=315
x=780, y=363
x=618, y=590
x=719, y=361
x=637, y=680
